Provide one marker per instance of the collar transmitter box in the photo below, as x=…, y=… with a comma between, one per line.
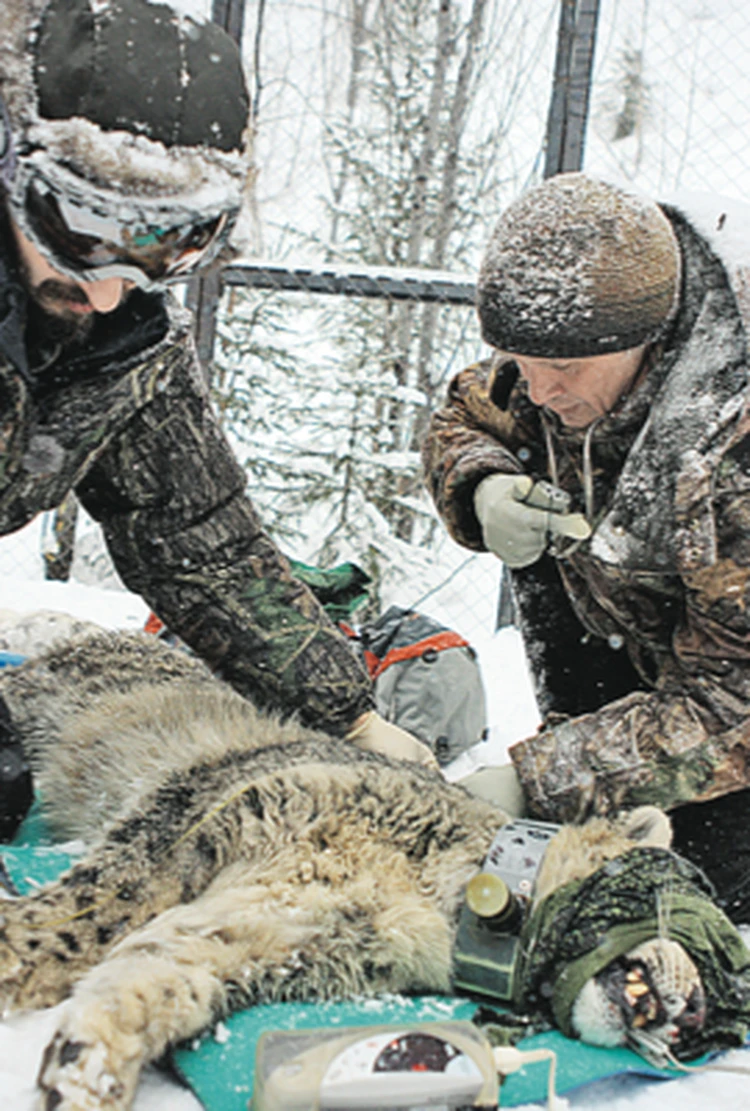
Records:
x=496, y=902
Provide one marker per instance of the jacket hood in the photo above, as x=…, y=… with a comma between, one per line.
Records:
x=661, y=517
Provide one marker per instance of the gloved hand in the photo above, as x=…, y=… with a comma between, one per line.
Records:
x=373, y=733
x=500, y=785
x=518, y=516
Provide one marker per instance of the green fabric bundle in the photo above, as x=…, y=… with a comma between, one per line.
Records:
x=647, y=893
x=341, y=590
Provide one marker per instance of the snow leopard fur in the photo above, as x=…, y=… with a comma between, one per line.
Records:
x=235, y=859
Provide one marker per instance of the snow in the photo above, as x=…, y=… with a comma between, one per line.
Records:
x=721, y=165
x=112, y=609
x=513, y=715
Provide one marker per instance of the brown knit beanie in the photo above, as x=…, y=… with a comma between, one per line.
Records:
x=577, y=267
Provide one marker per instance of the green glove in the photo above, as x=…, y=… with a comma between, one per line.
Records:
x=518, y=516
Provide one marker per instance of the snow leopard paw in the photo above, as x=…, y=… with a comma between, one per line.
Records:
x=89, y=1066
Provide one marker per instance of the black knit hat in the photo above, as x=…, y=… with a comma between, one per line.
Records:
x=133, y=65
x=577, y=267
x=128, y=120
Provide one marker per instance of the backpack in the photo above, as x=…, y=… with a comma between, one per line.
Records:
x=426, y=679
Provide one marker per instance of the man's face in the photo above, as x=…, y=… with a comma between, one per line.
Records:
x=580, y=390
x=73, y=303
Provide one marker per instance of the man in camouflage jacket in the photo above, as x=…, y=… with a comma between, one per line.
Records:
x=632, y=592
x=122, y=166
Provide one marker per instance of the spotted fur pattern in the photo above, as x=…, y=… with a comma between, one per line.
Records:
x=245, y=860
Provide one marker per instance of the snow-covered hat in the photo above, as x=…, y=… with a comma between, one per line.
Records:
x=577, y=267
x=130, y=128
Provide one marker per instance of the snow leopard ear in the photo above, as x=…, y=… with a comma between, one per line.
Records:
x=648, y=825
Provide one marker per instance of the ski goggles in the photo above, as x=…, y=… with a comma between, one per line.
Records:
x=90, y=234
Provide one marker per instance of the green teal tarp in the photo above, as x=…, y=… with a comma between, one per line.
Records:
x=219, y=1066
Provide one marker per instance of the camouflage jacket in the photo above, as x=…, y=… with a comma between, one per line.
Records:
x=132, y=431
x=665, y=576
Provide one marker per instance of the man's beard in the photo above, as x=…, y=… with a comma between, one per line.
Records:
x=61, y=324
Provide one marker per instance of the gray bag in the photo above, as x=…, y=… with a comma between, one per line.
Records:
x=427, y=680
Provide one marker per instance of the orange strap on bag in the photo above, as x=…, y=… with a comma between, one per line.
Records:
x=438, y=642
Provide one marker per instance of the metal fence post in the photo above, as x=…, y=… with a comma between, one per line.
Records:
x=569, y=106
x=204, y=290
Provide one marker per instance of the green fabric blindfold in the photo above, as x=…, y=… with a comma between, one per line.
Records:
x=579, y=929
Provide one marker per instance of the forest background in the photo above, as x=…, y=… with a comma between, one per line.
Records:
x=389, y=136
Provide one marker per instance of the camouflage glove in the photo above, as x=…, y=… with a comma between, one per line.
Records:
x=518, y=516
x=374, y=734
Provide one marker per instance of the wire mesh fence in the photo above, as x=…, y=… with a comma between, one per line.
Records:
x=669, y=102
x=326, y=399
x=324, y=375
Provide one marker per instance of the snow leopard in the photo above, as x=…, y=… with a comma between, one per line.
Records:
x=237, y=858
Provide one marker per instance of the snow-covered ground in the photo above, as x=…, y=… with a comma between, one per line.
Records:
x=512, y=714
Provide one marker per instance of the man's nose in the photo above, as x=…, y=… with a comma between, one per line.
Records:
x=106, y=295
x=542, y=385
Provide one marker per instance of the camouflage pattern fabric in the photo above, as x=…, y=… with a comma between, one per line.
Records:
x=139, y=444
x=665, y=577
x=583, y=926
